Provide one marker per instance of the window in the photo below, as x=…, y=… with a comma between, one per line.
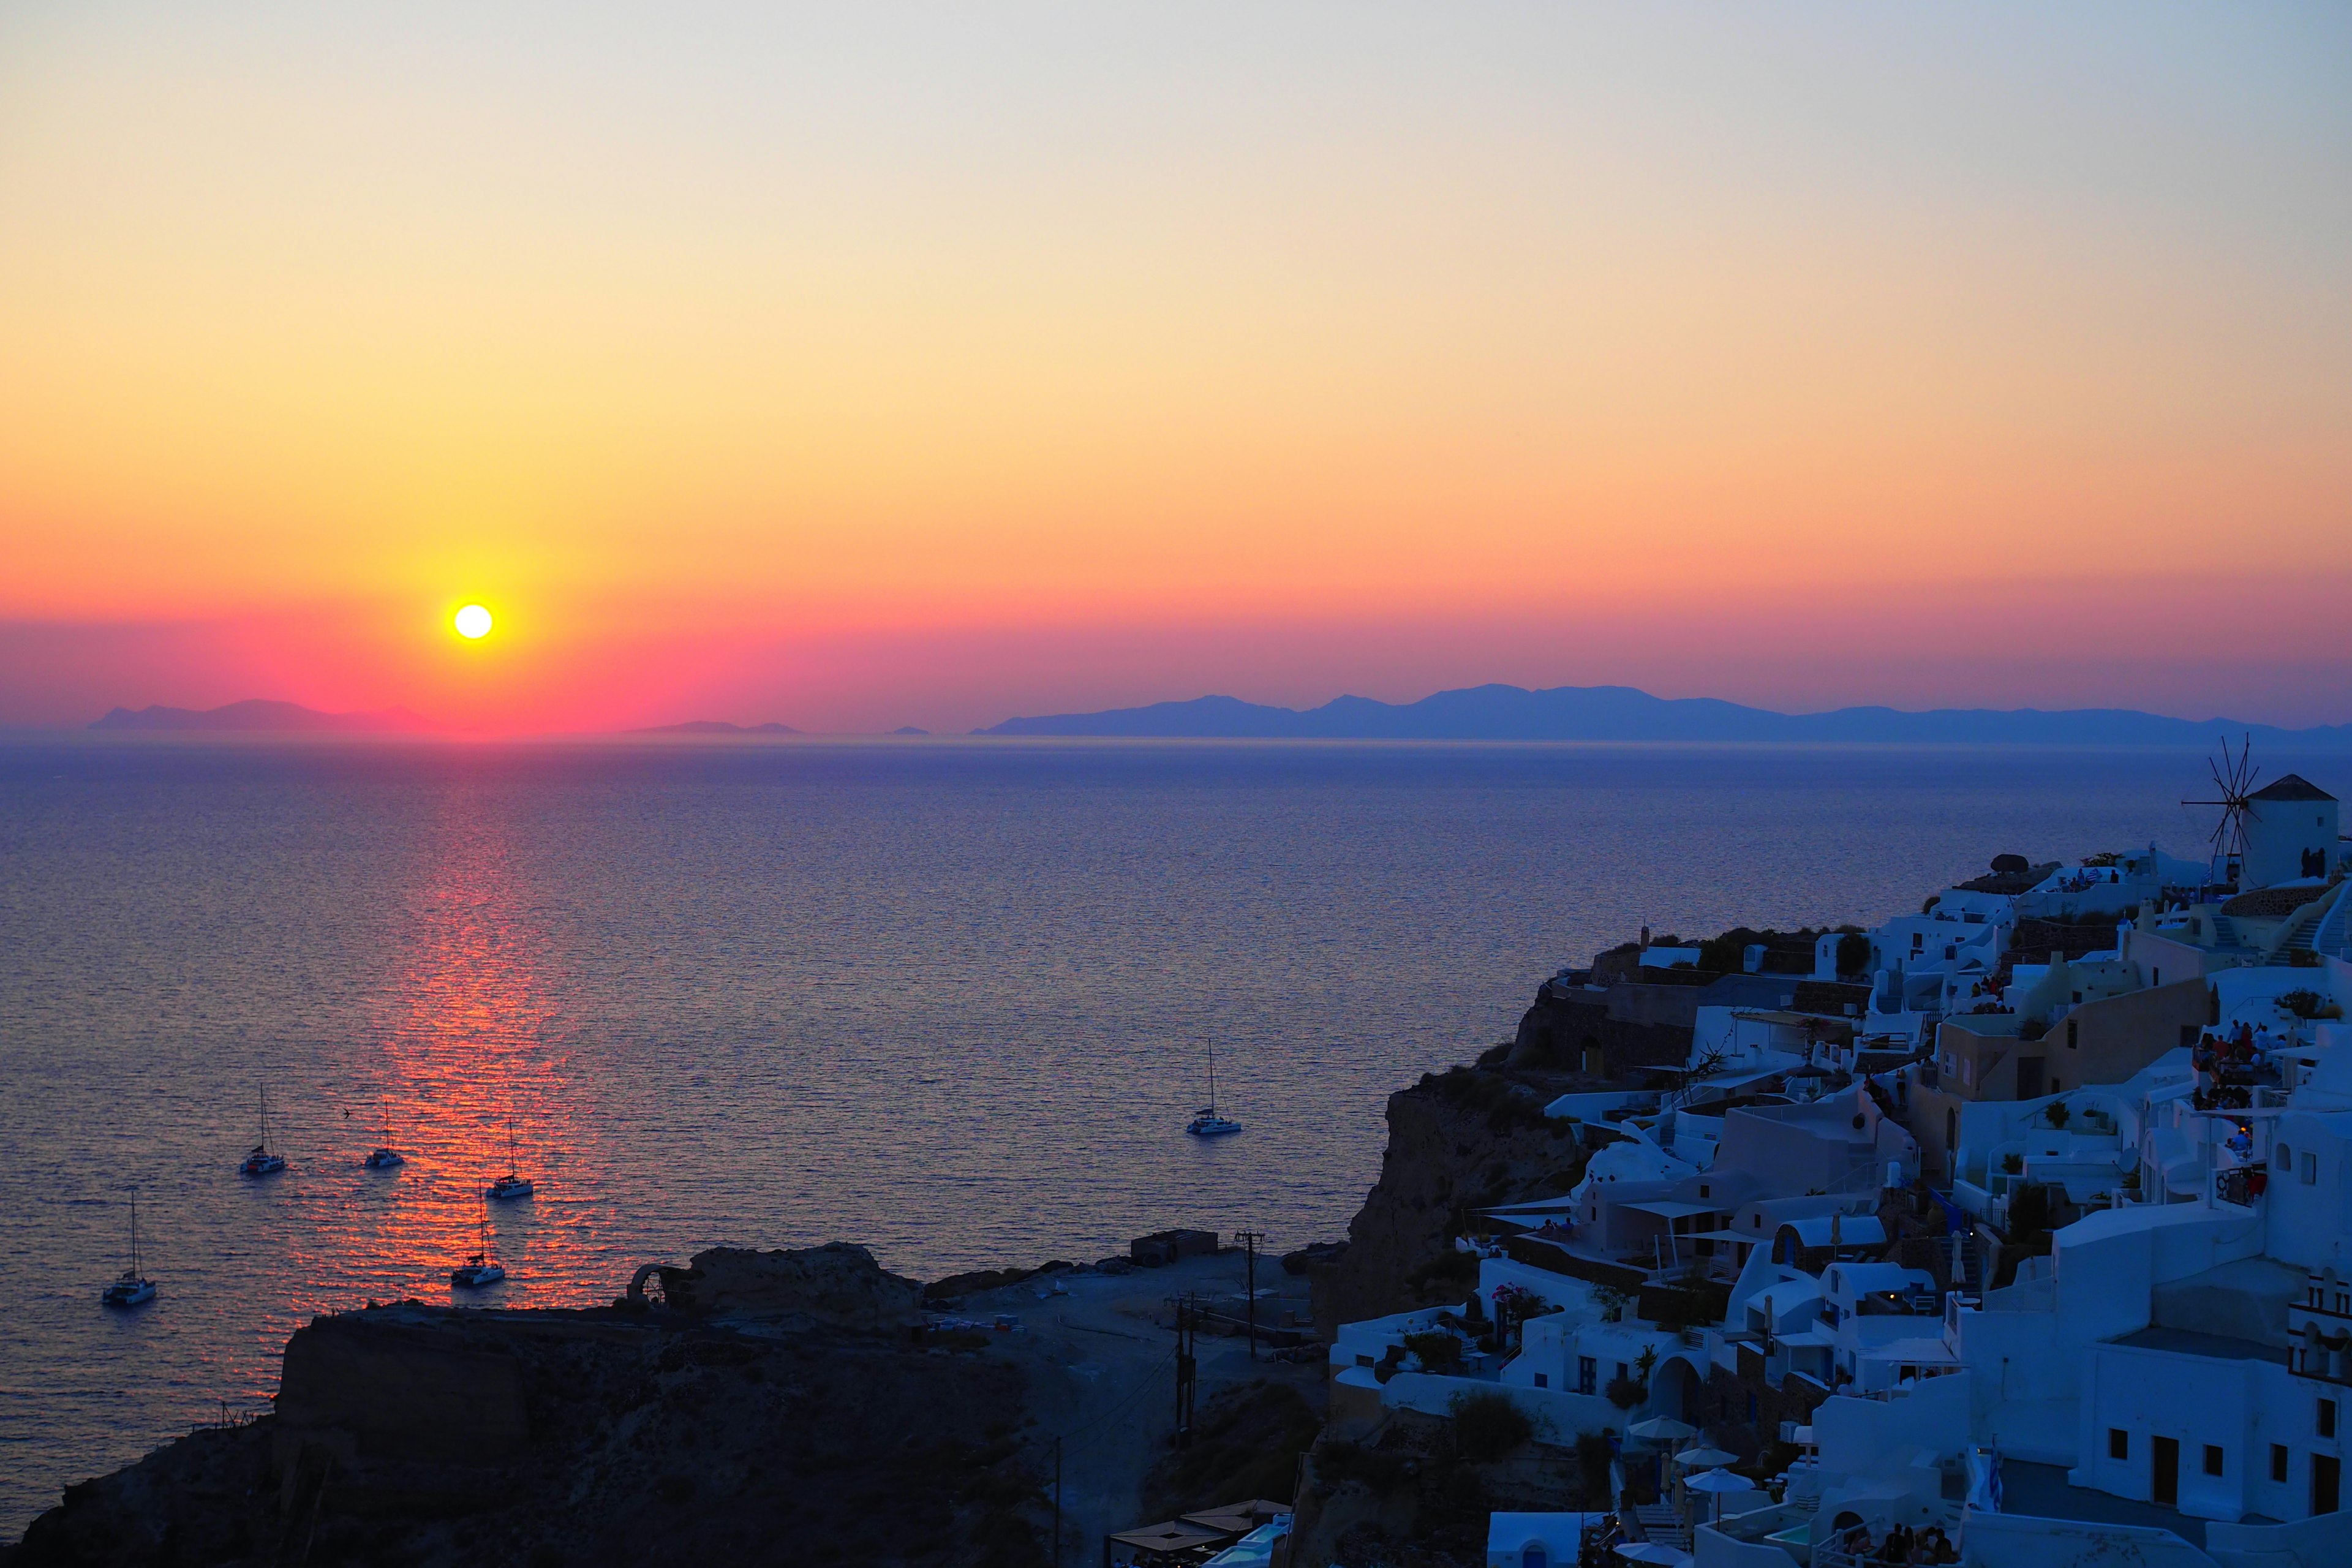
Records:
x=2073, y=1033
x=2327, y=1418
x=2283, y=1158
x=1588, y=1376
x=1544, y=1381
x=1751, y=1410
x=2213, y=1459
x=2155, y=977
x=1623, y=1370
x=2310, y=1169
x=2119, y=1443
x=2278, y=1463
x=1702, y=1189
x=1759, y=1221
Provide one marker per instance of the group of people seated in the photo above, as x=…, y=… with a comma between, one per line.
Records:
x=1901, y=1544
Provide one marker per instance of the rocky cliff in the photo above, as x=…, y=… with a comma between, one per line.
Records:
x=1459, y=1140
x=811, y=1425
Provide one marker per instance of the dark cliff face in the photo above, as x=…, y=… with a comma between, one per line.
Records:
x=1464, y=1139
x=414, y=1434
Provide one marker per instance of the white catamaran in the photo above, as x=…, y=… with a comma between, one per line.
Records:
x=480, y=1270
x=133, y=1288
x=260, y=1161
x=511, y=1186
x=1206, y=1122
x=385, y=1156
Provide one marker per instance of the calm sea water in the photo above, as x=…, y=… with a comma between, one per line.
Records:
x=949, y=999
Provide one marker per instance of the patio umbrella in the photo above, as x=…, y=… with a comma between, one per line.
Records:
x=1704, y=1457
x=1661, y=1429
x=1718, y=1482
x=1650, y=1552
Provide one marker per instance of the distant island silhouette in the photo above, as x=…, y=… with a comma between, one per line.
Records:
x=1626, y=713
x=258, y=716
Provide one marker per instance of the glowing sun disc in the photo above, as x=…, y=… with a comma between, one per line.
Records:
x=473, y=621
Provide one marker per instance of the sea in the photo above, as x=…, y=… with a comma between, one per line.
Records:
x=952, y=999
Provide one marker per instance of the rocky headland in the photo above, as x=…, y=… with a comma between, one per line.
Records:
x=782, y=1406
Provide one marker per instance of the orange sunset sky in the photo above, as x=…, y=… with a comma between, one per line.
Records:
x=865, y=365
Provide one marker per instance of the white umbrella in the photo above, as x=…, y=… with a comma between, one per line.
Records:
x=1661, y=1429
x=1704, y=1457
x=1650, y=1552
x=1718, y=1482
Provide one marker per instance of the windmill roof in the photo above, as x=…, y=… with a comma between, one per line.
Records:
x=2294, y=787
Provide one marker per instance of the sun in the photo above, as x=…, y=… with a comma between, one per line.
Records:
x=473, y=622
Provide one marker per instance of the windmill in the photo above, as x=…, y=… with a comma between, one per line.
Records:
x=2233, y=781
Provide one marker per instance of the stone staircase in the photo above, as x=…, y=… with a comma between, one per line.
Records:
x=2326, y=928
x=1660, y=1525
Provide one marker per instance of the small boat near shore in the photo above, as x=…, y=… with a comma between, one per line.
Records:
x=1206, y=1122
x=480, y=1270
x=133, y=1288
x=259, y=1161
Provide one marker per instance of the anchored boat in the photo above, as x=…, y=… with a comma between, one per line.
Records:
x=479, y=1270
x=133, y=1288
x=259, y=1161
x=385, y=1157
x=511, y=1186
x=1206, y=1122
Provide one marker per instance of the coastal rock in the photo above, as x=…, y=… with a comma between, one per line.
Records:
x=1467, y=1139
x=1316, y=1256
x=424, y=1435
x=837, y=1286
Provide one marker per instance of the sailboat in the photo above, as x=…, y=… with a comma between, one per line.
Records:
x=511, y=1186
x=260, y=1161
x=478, y=1270
x=385, y=1157
x=1206, y=1122
x=133, y=1288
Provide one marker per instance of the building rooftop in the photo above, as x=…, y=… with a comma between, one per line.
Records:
x=2294, y=787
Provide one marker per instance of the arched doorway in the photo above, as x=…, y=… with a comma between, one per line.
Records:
x=1675, y=1389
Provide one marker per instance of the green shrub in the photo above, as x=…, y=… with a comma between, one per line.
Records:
x=1489, y=1425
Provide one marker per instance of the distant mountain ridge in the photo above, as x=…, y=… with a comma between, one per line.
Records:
x=258, y=716
x=1497, y=712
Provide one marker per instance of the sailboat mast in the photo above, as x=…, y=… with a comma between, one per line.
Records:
x=134, y=1235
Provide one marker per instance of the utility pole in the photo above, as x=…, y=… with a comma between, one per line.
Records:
x=1058, y=1503
x=1250, y=1238
x=1185, y=1332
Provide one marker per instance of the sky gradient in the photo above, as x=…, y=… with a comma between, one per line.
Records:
x=859, y=366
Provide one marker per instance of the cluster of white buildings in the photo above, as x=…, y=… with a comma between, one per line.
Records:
x=2041, y=1245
